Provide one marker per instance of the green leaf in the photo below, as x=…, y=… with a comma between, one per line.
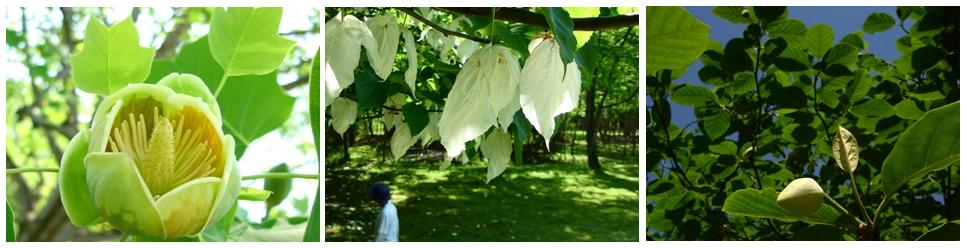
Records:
x=693, y=95
x=855, y=40
x=196, y=58
x=280, y=187
x=253, y=194
x=768, y=14
x=716, y=125
x=563, y=28
x=513, y=38
x=793, y=31
x=673, y=38
x=416, y=117
x=841, y=54
x=930, y=144
x=926, y=57
x=744, y=82
x=314, y=101
x=878, y=22
x=11, y=222
x=819, y=39
x=219, y=230
x=874, y=108
x=726, y=147
x=370, y=92
x=732, y=14
x=763, y=204
x=859, y=86
x=907, y=109
x=927, y=96
x=583, y=12
x=161, y=68
x=312, y=227
x=521, y=129
x=245, y=41
x=111, y=58
x=253, y=106
x=949, y=231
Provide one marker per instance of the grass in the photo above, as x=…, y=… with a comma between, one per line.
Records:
x=560, y=200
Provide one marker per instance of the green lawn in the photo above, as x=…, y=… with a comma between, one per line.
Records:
x=555, y=201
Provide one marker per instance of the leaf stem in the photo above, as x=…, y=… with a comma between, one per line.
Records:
x=841, y=209
x=220, y=84
x=859, y=199
x=280, y=175
x=22, y=170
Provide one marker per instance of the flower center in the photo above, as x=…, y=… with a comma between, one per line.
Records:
x=169, y=151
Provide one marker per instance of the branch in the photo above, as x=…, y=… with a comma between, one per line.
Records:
x=173, y=39
x=409, y=11
x=521, y=15
x=298, y=82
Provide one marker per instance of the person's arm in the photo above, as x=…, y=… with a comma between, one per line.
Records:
x=382, y=228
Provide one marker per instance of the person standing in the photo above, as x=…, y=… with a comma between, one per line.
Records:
x=387, y=224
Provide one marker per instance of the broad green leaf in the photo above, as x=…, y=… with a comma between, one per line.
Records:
x=693, y=95
x=280, y=187
x=716, y=125
x=763, y=204
x=907, y=109
x=312, y=227
x=111, y=58
x=370, y=92
x=793, y=31
x=583, y=12
x=673, y=38
x=841, y=54
x=859, y=86
x=521, y=130
x=726, y=147
x=563, y=28
x=875, y=108
x=819, y=39
x=949, y=231
x=196, y=58
x=253, y=194
x=845, y=150
x=855, y=39
x=930, y=144
x=11, y=222
x=926, y=57
x=161, y=68
x=314, y=107
x=513, y=37
x=792, y=60
x=743, y=82
x=252, y=106
x=878, y=22
x=245, y=41
x=733, y=14
x=768, y=14
x=416, y=117
x=927, y=96
x=220, y=229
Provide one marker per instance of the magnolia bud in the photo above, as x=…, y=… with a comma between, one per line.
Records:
x=802, y=196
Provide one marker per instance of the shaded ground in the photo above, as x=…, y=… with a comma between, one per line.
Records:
x=555, y=201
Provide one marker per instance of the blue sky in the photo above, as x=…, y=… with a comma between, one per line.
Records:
x=843, y=20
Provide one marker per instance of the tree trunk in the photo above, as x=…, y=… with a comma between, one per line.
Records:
x=591, y=132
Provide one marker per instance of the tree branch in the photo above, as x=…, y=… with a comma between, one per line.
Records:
x=173, y=39
x=521, y=15
x=409, y=11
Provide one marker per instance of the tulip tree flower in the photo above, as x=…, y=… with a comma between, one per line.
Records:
x=802, y=196
x=155, y=163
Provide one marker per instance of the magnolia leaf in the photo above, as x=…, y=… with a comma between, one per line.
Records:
x=932, y=143
x=949, y=231
x=411, y=57
x=845, y=150
x=402, y=140
x=546, y=90
x=387, y=34
x=344, y=36
x=496, y=148
x=343, y=113
x=878, y=22
x=111, y=58
x=673, y=38
x=819, y=39
x=486, y=84
x=763, y=204
x=245, y=41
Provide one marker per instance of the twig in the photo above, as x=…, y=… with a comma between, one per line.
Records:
x=409, y=11
x=23, y=170
x=521, y=15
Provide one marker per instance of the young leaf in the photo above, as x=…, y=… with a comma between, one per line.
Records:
x=245, y=41
x=929, y=144
x=258, y=106
x=673, y=38
x=111, y=58
x=845, y=150
x=878, y=22
x=253, y=194
x=763, y=204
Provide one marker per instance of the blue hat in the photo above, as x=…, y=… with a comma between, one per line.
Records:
x=380, y=193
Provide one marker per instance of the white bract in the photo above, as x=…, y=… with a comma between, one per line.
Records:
x=410, y=74
x=546, y=88
x=802, y=196
x=845, y=150
x=344, y=36
x=402, y=140
x=387, y=34
x=343, y=113
x=486, y=84
x=496, y=148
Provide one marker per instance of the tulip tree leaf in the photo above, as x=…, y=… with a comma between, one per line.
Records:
x=252, y=106
x=763, y=204
x=314, y=100
x=878, y=22
x=673, y=38
x=245, y=41
x=280, y=187
x=929, y=144
x=253, y=194
x=11, y=219
x=111, y=58
x=312, y=227
x=194, y=58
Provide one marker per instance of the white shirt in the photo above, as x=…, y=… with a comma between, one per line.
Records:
x=388, y=225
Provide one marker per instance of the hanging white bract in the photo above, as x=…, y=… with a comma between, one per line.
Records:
x=402, y=140
x=343, y=113
x=387, y=34
x=410, y=74
x=546, y=88
x=496, y=148
x=344, y=36
x=486, y=84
